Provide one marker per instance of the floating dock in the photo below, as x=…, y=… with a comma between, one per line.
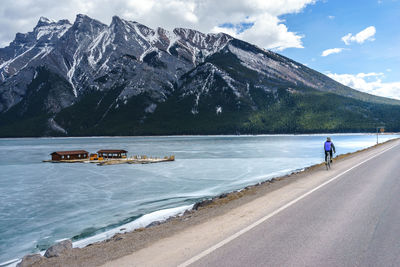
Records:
x=136, y=160
x=132, y=160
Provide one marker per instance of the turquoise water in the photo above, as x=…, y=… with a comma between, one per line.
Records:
x=43, y=202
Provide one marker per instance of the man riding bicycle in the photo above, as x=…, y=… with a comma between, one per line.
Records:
x=329, y=147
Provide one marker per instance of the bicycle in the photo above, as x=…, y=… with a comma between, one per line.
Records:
x=328, y=160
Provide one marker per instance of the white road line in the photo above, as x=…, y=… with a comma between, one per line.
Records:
x=251, y=226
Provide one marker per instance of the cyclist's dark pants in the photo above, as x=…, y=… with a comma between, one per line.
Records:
x=326, y=154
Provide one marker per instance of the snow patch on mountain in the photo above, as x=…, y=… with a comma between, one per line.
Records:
x=151, y=108
x=76, y=60
x=263, y=64
x=55, y=126
x=47, y=29
x=172, y=38
x=96, y=50
x=148, y=51
x=52, y=30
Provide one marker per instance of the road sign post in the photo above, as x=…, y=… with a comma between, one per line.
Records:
x=379, y=129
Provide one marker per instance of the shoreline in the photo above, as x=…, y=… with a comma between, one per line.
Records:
x=201, y=211
x=200, y=135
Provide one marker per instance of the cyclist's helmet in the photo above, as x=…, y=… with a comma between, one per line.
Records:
x=328, y=139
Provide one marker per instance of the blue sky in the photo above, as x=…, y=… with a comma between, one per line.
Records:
x=325, y=23
x=309, y=31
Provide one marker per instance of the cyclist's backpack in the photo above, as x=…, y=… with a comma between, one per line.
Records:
x=328, y=146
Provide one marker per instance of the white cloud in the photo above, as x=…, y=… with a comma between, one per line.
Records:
x=328, y=52
x=369, y=83
x=268, y=30
x=331, y=17
x=364, y=35
x=370, y=74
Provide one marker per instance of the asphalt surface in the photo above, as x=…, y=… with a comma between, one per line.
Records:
x=352, y=221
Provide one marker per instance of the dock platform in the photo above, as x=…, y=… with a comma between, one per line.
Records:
x=133, y=160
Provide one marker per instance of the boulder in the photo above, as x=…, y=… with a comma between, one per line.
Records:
x=59, y=249
x=153, y=224
x=118, y=236
x=224, y=195
x=202, y=204
x=29, y=260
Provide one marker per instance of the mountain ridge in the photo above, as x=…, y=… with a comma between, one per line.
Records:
x=127, y=62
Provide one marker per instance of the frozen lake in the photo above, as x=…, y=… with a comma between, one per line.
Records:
x=43, y=202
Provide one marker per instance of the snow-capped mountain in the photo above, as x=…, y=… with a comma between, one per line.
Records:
x=128, y=72
x=87, y=52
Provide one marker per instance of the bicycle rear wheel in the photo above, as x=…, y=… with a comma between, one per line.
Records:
x=328, y=162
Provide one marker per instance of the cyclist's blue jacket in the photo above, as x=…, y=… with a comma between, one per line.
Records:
x=328, y=146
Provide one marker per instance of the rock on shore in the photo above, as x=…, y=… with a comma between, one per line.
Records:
x=58, y=249
x=61, y=248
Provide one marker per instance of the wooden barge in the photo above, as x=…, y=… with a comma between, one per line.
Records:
x=103, y=157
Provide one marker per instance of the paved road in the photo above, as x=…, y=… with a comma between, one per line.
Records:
x=352, y=221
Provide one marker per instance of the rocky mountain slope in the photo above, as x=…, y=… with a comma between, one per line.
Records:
x=88, y=78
